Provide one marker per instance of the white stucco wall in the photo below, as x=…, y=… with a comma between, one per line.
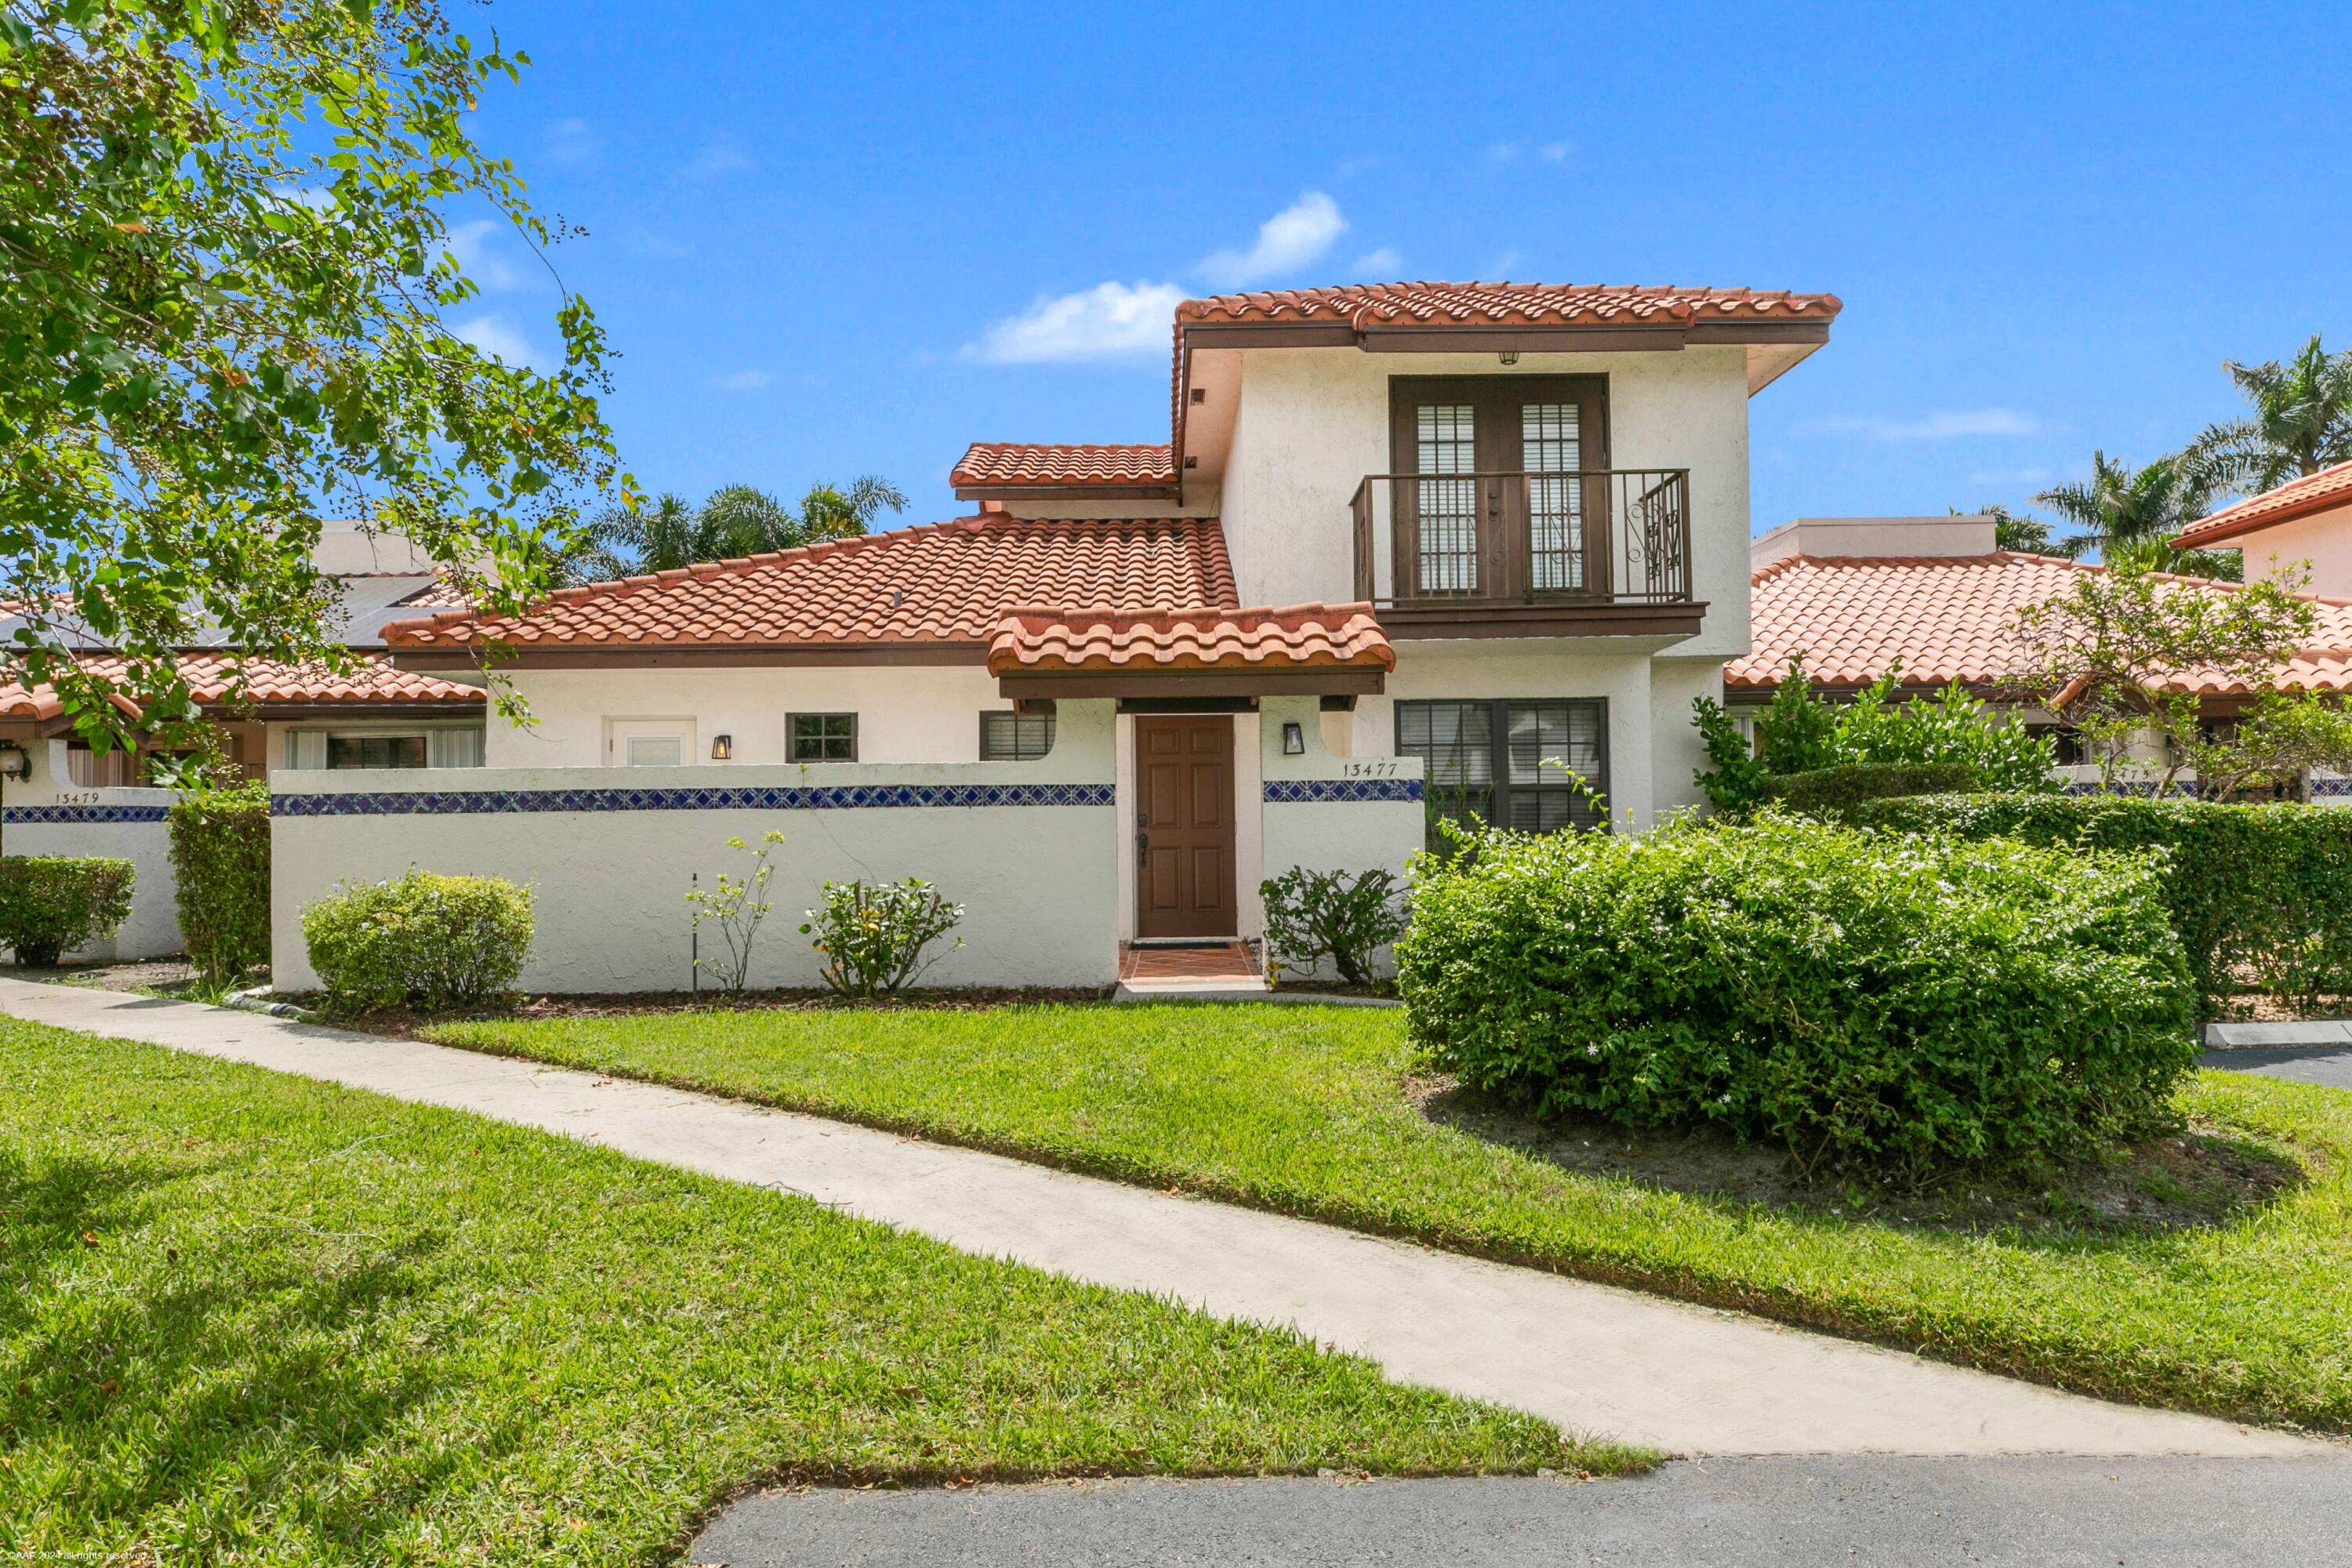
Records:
x=905, y=713
x=1038, y=881
x=1676, y=753
x=1380, y=827
x=1313, y=422
x=2323, y=539
x=48, y=815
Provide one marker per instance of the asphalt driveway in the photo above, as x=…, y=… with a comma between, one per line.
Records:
x=2330, y=1065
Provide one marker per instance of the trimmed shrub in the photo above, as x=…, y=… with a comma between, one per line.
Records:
x=1872, y=1000
x=1314, y=915
x=873, y=934
x=1832, y=793
x=422, y=939
x=2261, y=895
x=220, y=856
x=52, y=904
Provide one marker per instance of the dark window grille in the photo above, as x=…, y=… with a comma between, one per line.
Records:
x=1016, y=737
x=375, y=751
x=1511, y=764
x=824, y=737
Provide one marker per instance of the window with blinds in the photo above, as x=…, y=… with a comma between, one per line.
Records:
x=1551, y=447
x=1534, y=766
x=1016, y=737
x=1446, y=510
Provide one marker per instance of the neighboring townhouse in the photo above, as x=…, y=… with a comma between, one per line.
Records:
x=2306, y=521
x=59, y=795
x=1493, y=534
x=1858, y=596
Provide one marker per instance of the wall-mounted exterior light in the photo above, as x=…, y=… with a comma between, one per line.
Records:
x=721, y=747
x=15, y=763
x=1508, y=356
x=1294, y=739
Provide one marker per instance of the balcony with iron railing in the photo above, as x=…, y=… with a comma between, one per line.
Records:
x=1600, y=552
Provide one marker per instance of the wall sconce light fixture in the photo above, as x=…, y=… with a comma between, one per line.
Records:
x=721, y=747
x=1294, y=739
x=1508, y=356
x=15, y=763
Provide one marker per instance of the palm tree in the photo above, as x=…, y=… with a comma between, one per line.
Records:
x=2301, y=421
x=2128, y=513
x=670, y=533
x=2013, y=531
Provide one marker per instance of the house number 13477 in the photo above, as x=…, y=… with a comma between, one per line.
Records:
x=1386, y=770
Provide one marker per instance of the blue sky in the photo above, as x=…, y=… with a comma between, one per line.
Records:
x=829, y=241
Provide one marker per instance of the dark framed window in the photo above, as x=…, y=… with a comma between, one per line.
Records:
x=375, y=751
x=1010, y=737
x=824, y=737
x=1526, y=764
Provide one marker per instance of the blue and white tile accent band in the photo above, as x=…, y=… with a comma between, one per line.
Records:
x=844, y=797
x=2130, y=787
x=1318, y=792
x=32, y=815
x=2331, y=789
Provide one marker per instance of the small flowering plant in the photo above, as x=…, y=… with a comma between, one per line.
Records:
x=875, y=935
x=736, y=907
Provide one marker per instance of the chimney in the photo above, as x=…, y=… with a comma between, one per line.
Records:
x=1851, y=536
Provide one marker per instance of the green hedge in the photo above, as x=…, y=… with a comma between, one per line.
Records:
x=220, y=857
x=2262, y=894
x=1833, y=793
x=52, y=904
x=1866, y=1000
x=420, y=939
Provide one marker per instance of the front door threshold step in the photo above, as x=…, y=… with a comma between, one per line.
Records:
x=1193, y=988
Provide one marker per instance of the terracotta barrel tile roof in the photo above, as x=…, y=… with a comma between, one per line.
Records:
x=939, y=583
x=1953, y=618
x=2322, y=492
x=1015, y=463
x=210, y=677
x=1201, y=637
x=1508, y=304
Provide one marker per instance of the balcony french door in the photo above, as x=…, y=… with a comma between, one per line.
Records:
x=1500, y=505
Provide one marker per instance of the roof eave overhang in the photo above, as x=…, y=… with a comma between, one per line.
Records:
x=2201, y=538
x=1329, y=681
x=1613, y=337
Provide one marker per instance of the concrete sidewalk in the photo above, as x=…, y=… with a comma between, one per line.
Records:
x=1593, y=1359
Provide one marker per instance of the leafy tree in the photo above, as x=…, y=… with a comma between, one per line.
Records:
x=2299, y=421
x=735, y=520
x=2131, y=514
x=223, y=274
x=1800, y=732
x=2109, y=655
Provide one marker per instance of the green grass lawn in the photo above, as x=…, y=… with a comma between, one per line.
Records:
x=1304, y=1109
x=246, y=1317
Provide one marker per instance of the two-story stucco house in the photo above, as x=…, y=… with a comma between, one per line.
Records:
x=1449, y=547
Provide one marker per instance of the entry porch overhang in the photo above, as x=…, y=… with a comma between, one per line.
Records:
x=1302, y=650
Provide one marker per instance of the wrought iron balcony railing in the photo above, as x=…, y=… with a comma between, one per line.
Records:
x=1602, y=537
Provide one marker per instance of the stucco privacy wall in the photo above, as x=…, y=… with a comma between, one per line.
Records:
x=905, y=713
x=1028, y=848
x=1314, y=422
x=48, y=815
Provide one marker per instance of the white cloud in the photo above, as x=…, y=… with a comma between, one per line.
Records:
x=1943, y=427
x=1107, y=319
x=496, y=336
x=572, y=144
x=1299, y=234
x=1555, y=152
x=1376, y=267
x=744, y=381
x=469, y=243
x=1500, y=267
x=720, y=156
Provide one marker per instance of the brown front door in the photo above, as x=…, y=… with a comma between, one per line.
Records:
x=1184, y=826
x=1516, y=523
